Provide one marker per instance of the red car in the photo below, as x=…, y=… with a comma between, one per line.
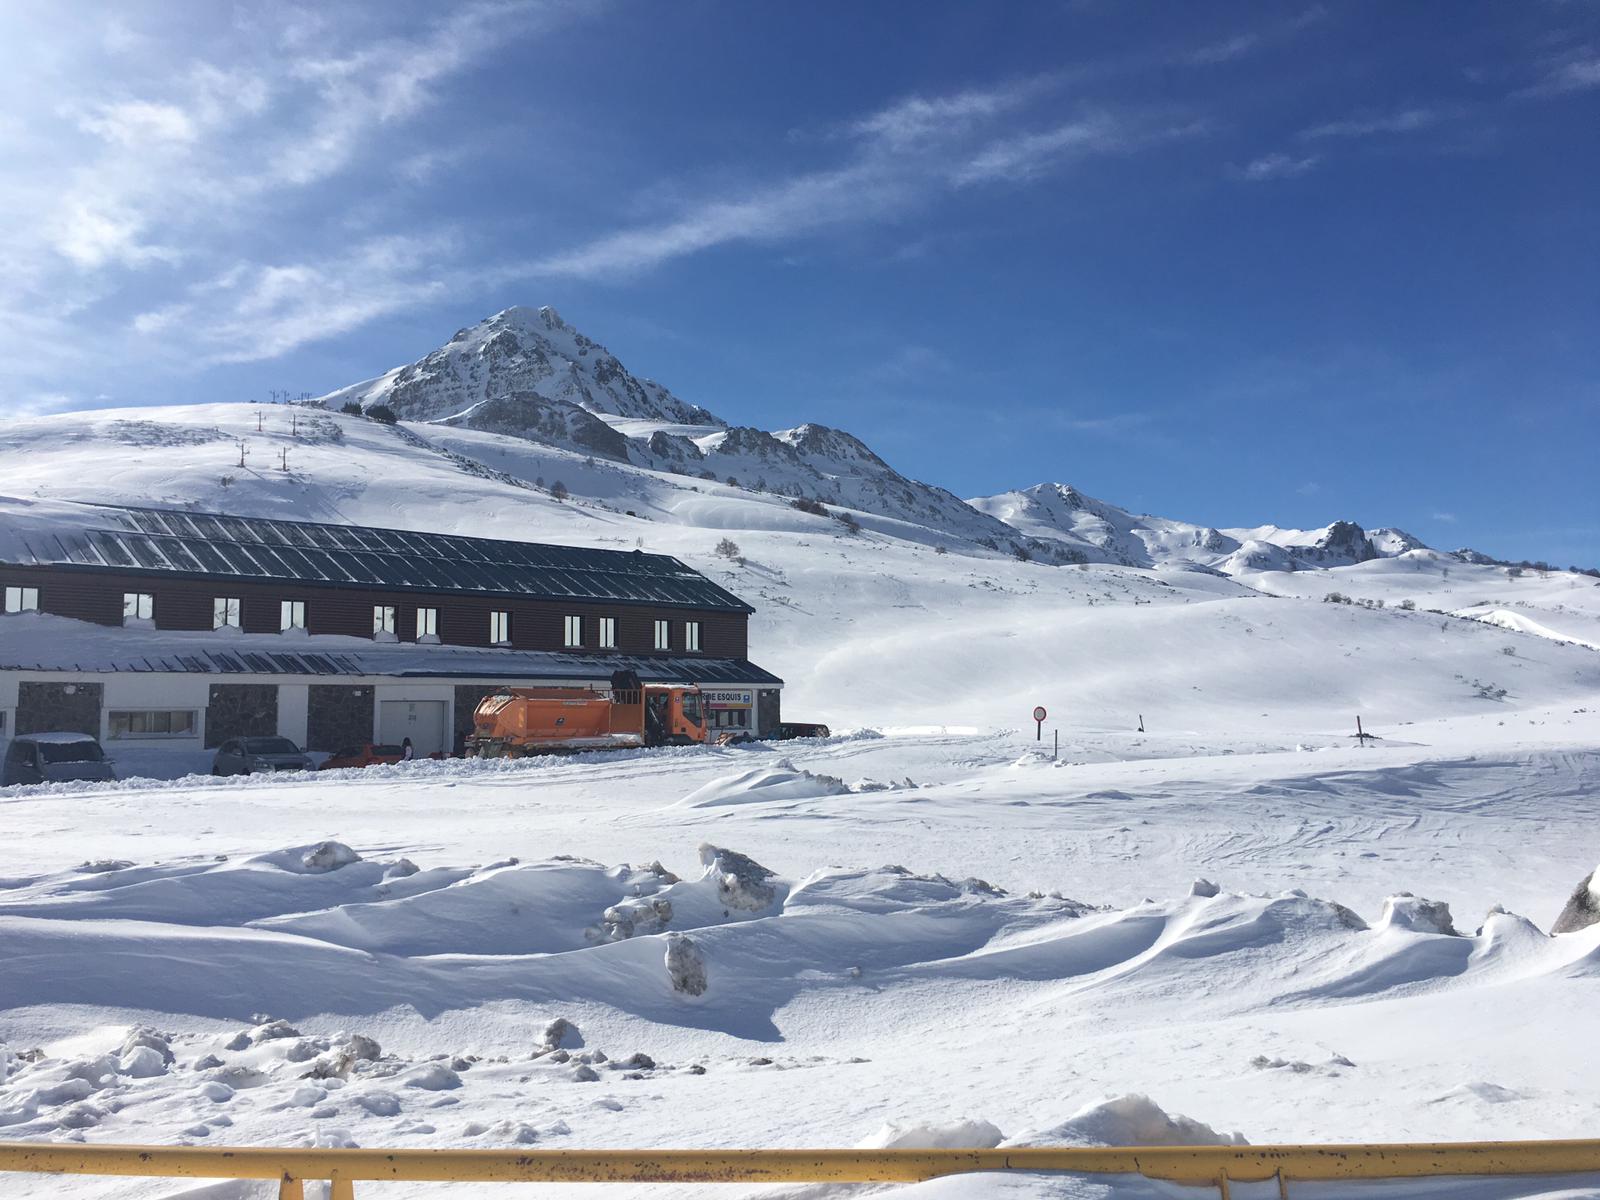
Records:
x=366, y=755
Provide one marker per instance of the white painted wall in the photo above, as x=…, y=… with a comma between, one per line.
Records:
x=158, y=689
x=294, y=711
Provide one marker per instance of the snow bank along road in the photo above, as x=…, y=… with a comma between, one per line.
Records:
x=903, y=940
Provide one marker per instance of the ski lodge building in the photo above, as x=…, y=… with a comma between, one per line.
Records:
x=154, y=628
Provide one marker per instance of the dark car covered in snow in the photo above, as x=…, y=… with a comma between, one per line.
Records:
x=54, y=758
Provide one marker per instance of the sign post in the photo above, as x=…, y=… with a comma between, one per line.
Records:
x=1039, y=715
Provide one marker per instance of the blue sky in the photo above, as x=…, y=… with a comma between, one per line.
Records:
x=1233, y=263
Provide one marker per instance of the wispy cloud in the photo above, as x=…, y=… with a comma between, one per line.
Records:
x=1410, y=120
x=255, y=311
x=1577, y=71
x=917, y=119
x=1448, y=518
x=1250, y=41
x=902, y=156
x=171, y=159
x=1276, y=166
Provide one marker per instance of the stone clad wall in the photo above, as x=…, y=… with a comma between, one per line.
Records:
x=241, y=710
x=59, y=708
x=339, y=715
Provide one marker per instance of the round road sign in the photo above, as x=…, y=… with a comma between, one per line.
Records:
x=1039, y=713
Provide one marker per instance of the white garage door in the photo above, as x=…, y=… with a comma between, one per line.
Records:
x=420, y=720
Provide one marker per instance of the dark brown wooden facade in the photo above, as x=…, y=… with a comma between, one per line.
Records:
x=182, y=603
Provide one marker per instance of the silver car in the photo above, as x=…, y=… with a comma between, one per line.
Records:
x=250, y=755
x=54, y=758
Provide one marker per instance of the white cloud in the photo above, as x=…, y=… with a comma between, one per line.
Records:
x=254, y=311
x=94, y=234
x=162, y=179
x=1276, y=166
x=1409, y=120
x=137, y=122
x=918, y=118
x=1030, y=155
x=1223, y=51
x=1449, y=518
x=1578, y=72
x=908, y=155
x=385, y=83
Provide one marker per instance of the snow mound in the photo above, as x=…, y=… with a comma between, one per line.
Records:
x=1131, y=1120
x=330, y=856
x=780, y=782
x=1405, y=911
x=965, y=1134
x=742, y=882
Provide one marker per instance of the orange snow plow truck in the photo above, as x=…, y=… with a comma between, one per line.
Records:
x=517, y=721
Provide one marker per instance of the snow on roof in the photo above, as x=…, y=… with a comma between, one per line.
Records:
x=43, y=642
x=167, y=541
x=54, y=739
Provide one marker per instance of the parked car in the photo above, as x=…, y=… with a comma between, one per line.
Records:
x=54, y=758
x=366, y=755
x=789, y=730
x=249, y=755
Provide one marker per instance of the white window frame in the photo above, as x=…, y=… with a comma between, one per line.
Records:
x=500, y=628
x=291, y=615
x=152, y=719
x=142, y=604
x=22, y=599
x=427, y=623
x=227, y=612
x=663, y=635
x=571, y=632
x=384, y=619
x=606, y=639
x=691, y=636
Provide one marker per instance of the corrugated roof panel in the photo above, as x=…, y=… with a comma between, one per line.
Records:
x=303, y=551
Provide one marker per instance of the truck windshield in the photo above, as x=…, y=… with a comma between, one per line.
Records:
x=691, y=708
x=70, y=752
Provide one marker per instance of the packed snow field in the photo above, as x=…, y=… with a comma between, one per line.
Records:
x=1212, y=914
x=903, y=939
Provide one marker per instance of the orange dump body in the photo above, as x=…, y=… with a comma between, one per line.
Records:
x=518, y=721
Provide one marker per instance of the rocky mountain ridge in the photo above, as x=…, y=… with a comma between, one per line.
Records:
x=526, y=373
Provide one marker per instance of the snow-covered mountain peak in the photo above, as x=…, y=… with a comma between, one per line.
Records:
x=523, y=352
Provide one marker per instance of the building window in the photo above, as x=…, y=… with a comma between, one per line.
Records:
x=383, y=622
x=663, y=635
x=225, y=612
x=500, y=628
x=153, y=723
x=691, y=635
x=292, y=615
x=22, y=599
x=572, y=631
x=608, y=633
x=138, y=607
x=427, y=624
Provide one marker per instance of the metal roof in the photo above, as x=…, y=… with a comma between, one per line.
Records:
x=195, y=544
x=431, y=662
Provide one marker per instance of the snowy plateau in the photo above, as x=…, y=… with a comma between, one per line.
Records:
x=1213, y=915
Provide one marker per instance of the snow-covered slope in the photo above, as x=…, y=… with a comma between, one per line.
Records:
x=879, y=627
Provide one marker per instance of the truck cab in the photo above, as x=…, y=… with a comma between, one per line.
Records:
x=673, y=715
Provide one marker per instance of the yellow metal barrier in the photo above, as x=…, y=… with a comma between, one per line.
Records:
x=1212, y=1166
